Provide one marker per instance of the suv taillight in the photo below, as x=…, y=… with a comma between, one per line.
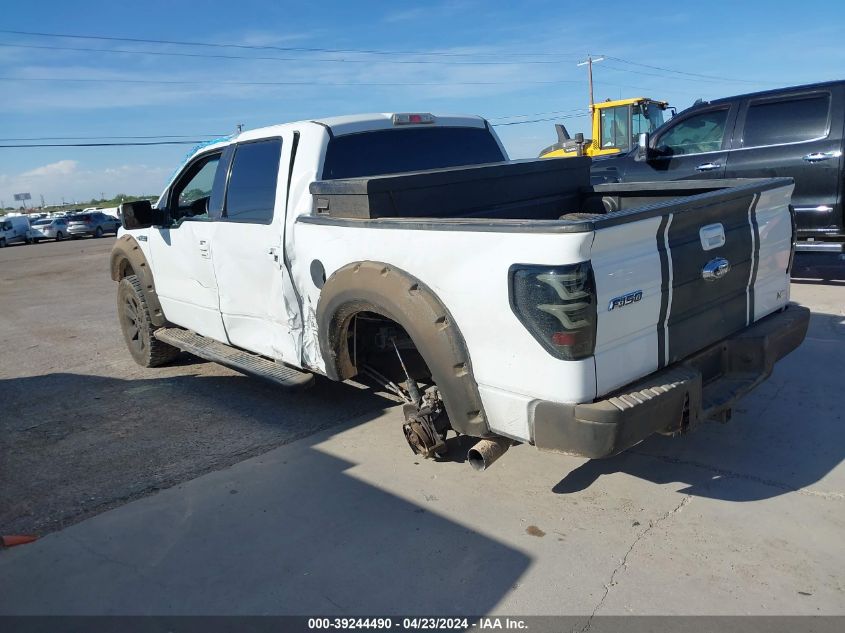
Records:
x=557, y=304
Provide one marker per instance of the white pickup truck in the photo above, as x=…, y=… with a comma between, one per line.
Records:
x=505, y=300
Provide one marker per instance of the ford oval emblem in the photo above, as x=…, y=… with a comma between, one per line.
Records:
x=716, y=269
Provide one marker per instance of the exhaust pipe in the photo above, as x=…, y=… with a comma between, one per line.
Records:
x=482, y=455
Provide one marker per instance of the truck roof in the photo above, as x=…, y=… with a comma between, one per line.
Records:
x=353, y=123
x=773, y=91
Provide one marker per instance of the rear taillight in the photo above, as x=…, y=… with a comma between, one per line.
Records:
x=557, y=304
x=794, y=239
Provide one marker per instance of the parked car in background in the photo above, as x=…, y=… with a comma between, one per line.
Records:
x=49, y=229
x=14, y=229
x=94, y=223
x=795, y=132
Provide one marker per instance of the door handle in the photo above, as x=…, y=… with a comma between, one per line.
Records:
x=205, y=251
x=817, y=157
x=709, y=166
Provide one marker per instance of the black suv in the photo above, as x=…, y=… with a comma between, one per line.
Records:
x=796, y=132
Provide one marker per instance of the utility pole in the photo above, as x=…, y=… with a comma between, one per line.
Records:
x=589, y=64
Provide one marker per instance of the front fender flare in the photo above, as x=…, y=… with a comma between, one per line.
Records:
x=397, y=295
x=127, y=258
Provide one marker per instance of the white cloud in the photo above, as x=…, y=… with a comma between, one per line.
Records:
x=52, y=170
x=67, y=179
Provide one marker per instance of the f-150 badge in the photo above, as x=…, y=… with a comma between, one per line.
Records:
x=625, y=300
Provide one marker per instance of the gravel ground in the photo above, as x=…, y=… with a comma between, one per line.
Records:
x=83, y=428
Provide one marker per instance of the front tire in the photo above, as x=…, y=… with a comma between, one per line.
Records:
x=98, y=232
x=60, y=236
x=2, y=242
x=138, y=328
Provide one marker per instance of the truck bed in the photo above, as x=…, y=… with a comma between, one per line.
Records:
x=547, y=190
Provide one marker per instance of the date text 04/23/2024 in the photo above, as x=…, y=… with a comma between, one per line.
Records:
x=418, y=623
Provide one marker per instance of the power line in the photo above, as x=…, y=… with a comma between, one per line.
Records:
x=282, y=59
x=195, y=142
x=553, y=118
x=683, y=72
x=303, y=49
x=664, y=75
x=288, y=83
x=92, y=138
x=519, y=116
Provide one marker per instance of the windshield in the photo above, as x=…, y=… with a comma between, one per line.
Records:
x=5, y=226
x=411, y=149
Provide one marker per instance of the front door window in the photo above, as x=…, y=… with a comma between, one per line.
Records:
x=191, y=193
x=696, y=134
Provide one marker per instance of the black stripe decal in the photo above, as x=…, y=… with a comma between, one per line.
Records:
x=755, y=257
x=664, y=290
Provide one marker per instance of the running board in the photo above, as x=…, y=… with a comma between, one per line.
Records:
x=237, y=359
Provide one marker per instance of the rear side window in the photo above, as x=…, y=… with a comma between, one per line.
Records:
x=251, y=194
x=409, y=149
x=786, y=120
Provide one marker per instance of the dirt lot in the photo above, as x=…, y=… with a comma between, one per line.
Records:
x=84, y=428
x=287, y=501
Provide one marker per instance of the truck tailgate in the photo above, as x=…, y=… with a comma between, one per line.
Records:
x=680, y=275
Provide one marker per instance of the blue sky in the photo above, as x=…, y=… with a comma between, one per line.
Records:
x=752, y=45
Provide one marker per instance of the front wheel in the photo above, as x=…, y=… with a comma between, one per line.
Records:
x=2, y=242
x=98, y=232
x=138, y=328
x=60, y=236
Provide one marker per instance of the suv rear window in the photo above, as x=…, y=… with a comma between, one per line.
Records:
x=786, y=120
x=410, y=149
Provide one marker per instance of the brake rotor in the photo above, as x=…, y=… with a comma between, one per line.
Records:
x=422, y=438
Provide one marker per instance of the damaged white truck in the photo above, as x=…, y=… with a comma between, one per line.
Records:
x=505, y=300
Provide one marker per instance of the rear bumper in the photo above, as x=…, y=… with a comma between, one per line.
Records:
x=705, y=385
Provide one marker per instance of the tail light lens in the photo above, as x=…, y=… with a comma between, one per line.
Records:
x=794, y=239
x=557, y=304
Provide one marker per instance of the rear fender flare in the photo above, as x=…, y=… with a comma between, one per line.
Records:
x=127, y=258
x=395, y=294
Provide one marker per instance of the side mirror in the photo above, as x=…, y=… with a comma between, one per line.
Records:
x=579, y=141
x=642, y=146
x=136, y=215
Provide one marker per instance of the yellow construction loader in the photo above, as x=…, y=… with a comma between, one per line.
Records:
x=615, y=125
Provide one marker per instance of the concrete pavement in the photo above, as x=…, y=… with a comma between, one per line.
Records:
x=743, y=518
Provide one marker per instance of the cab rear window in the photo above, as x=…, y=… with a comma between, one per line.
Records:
x=409, y=149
